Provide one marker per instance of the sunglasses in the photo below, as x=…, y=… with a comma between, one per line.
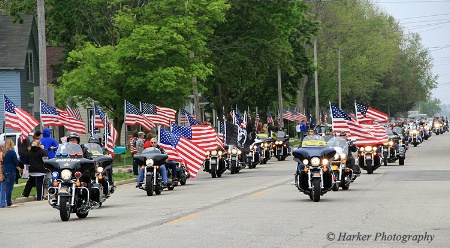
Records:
x=153, y=142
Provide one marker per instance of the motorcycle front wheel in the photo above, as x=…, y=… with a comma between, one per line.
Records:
x=149, y=187
x=64, y=208
x=316, y=190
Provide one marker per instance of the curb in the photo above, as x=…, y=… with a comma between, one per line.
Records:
x=33, y=198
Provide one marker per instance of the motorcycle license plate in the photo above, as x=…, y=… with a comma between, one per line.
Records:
x=233, y=158
x=316, y=175
x=385, y=149
x=334, y=167
x=368, y=156
x=213, y=161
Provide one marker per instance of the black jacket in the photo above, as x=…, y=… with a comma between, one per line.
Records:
x=35, y=155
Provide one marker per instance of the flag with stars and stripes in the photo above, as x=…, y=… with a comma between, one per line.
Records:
x=269, y=117
x=187, y=116
x=167, y=141
x=158, y=115
x=133, y=116
x=367, y=114
x=49, y=115
x=71, y=123
x=202, y=135
x=99, y=117
x=18, y=119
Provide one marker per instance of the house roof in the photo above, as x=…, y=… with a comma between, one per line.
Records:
x=14, y=39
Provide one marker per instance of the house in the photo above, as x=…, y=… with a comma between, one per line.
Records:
x=19, y=65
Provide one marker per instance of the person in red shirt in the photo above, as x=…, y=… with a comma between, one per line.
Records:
x=147, y=142
x=133, y=151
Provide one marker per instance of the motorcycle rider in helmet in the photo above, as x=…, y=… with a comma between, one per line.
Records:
x=94, y=139
x=86, y=177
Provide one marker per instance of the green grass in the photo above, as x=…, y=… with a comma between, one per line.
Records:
x=123, y=175
x=128, y=159
x=295, y=143
x=17, y=191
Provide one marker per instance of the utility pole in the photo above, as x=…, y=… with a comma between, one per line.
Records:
x=339, y=76
x=280, y=96
x=197, y=113
x=42, y=52
x=316, y=82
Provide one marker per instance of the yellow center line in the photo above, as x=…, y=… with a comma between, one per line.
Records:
x=259, y=193
x=182, y=218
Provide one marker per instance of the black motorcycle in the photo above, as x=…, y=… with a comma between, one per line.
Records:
x=182, y=173
x=150, y=160
x=369, y=158
x=280, y=146
x=235, y=160
x=70, y=187
x=314, y=178
x=266, y=150
x=254, y=155
x=104, y=177
x=216, y=162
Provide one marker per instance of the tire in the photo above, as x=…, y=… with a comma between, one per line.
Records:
x=369, y=168
x=64, y=208
x=385, y=161
x=149, y=187
x=335, y=186
x=401, y=161
x=183, y=181
x=171, y=187
x=415, y=144
x=219, y=174
x=213, y=172
x=233, y=167
x=158, y=191
x=343, y=185
x=82, y=216
x=316, y=190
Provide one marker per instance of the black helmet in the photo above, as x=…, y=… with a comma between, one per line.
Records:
x=74, y=135
x=94, y=139
x=225, y=146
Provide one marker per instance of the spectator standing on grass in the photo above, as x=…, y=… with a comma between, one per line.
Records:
x=10, y=163
x=37, y=170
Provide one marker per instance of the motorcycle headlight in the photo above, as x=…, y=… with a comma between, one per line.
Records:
x=325, y=162
x=336, y=156
x=315, y=161
x=374, y=148
x=214, y=153
x=239, y=152
x=233, y=151
x=391, y=143
x=368, y=149
x=251, y=147
x=149, y=161
x=220, y=153
x=66, y=174
x=361, y=149
x=266, y=145
x=99, y=169
x=305, y=161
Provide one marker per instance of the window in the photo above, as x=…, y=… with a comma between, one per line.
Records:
x=29, y=67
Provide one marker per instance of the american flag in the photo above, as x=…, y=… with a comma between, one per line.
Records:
x=192, y=155
x=110, y=140
x=158, y=115
x=99, y=117
x=239, y=120
x=222, y=131
x=269, y=117
x=18, y=119
x=300, y=117
x=287, y=115
x=74, y=112
x=133, y=116
x=377, y=130
x=256, y=119
x=49, y=115
x=202, y=135
x=187, y=119
x=71, y=123
x=341, y=121
x=367, y=114
x=167, y=141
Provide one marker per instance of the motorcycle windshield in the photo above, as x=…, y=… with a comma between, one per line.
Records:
x=69, y=148
x=313, y=140
x=281, y=135
x=94, y=148
x=339, y=144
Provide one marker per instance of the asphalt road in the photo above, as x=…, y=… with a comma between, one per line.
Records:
x=397, y=206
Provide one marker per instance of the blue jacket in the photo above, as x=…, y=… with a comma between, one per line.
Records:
x=48, y=142
x=303, y=127
x=10, y=162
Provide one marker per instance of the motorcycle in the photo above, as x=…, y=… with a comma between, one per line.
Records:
x=254, y=156
x=342, y=174
x=414, y=137
x=70, y=187
x=266, y=152
x=369, y=158
x=104, y=175
x=437, y=127
x=216, y=162
x=235, y=160
x=150, y=160
x=280, y=146
x=313, y=175
x=182, y=173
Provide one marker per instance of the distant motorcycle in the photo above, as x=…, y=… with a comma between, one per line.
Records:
x=280, y=146
x=150, y=160
x=182, y=173
x=70, y=187
x=343, y=175
x=266, y=150
x=369, y=158
x=235, y=160
x=254, y=156
x=216, y=162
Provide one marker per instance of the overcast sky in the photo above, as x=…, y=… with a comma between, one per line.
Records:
x=430, y=19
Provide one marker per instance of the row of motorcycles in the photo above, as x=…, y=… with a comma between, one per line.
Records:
x=234, y=159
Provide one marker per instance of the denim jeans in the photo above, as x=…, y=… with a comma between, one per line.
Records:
x=2, y=194
x=162, y=171
x=10, y=177
x=173, y=166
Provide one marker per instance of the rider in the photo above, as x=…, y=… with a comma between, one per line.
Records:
x=350, y=159
x=312, y=135
x=75, y=138
x=162, y=168
x=94, y=139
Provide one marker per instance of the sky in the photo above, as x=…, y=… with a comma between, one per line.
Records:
x=431, y=20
